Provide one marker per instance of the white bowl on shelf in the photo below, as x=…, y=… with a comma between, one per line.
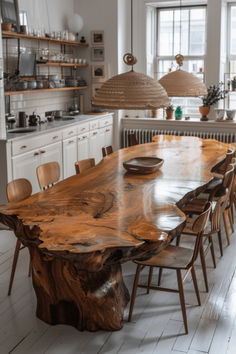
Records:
x=230, y=114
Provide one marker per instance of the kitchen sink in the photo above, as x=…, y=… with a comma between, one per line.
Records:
x=67, y=118
x=22, y=130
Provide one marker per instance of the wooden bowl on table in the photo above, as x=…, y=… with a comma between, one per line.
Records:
x=143, y=165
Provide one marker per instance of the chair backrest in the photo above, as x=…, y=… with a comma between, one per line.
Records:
x=132, y=139
x=18, y=189
x=228, y=159
x=107, y=150
x=216, y=212
x=83, y=165
x=198, y=227
x=48, y=174
x=228, y=177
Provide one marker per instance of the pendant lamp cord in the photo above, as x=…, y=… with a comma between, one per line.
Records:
x=131, y=32
x=180, y=25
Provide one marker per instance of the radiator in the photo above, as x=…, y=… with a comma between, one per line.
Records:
x=145, y=135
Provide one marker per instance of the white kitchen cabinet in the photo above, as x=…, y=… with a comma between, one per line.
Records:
x=95, y=146
x=69, y=156
x=83, y=147
x=21, y=156
x=50, y=153
x=24, y=166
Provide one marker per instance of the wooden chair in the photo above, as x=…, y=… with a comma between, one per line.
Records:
x=107, y=151
x=197, y=205
x=17, y=191
x=176, y=258
x=48, y=174
x=132, y=139
x=84, y=165
x=221, y=168
x=213, y=228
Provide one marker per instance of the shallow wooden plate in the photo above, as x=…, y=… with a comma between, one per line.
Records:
x=143, y=165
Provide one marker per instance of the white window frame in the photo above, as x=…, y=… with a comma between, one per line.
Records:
x=172, y=57
x=230, y=56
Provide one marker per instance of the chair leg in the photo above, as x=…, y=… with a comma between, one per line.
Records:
x=178, y=240
x=14, y=263
x=159, y=276
x=134, y=291
x=226, y=227
x=232, y=212
x=212, y=251
x=203, y=262
x=149, y=278
x=30, y=268
x=231, y=220
x=195, y=285
x=182, y=300
x=220, y=243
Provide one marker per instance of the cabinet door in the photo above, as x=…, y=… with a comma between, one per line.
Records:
x=83, y=147
x=24, y=166
x=69, y=156
x=51, y=153
x=109, y=135
x=95, y=146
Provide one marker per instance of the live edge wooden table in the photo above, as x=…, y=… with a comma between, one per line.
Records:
x=82, y=229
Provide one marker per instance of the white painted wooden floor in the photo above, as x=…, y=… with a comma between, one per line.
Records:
x=157, y=325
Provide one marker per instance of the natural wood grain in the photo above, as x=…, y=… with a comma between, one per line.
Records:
x=91, y=222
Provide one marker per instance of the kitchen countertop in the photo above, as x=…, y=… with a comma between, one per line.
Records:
x=55, y=125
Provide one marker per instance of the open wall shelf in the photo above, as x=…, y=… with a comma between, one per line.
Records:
x=15, y=35
x=25, y=92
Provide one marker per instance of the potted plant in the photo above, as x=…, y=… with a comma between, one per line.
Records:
x=170, y=111
x=215, y=93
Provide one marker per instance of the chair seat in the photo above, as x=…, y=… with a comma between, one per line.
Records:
x=172, y=257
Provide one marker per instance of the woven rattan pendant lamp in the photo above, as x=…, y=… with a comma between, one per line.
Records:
x=131, y=90
x=180, y=83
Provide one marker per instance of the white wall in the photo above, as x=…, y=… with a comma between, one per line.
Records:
x=50, y=14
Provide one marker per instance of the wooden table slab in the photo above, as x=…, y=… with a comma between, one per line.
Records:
x=81, y=230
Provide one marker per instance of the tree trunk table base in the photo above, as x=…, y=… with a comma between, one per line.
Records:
x=84, y=300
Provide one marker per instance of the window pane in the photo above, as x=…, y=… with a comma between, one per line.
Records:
x=181, y=25
x=233, y=31
x=197, y=32
x=165, y=36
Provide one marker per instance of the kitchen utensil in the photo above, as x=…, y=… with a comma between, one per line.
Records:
x=6, y=26
x=22, y=119
x=32, y=85
x=40, y=84
x=21, y=85
x=33, y=119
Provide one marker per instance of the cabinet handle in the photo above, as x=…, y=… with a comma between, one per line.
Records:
x=83, y=129
x=71, y=141
x=23, y=147
x=84, y=137
x=55, y=137
x=42, y=151
x=95, y=133
x=36, y=153
x=71, y=132
x=107, y=130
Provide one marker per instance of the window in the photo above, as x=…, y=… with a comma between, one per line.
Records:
x=182, y=32
x=230, y=83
